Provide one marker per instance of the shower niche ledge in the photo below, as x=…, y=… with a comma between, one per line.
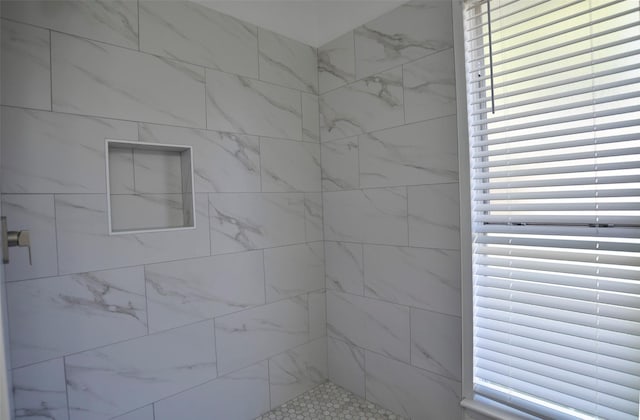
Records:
x=149, y=187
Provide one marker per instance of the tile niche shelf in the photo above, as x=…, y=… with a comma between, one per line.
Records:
x=149, y=187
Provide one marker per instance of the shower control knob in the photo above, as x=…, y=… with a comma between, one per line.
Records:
x=20, y=238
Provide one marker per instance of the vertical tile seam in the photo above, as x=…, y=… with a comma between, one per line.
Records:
x=146, y=296
x=138, y=6
x=55, y=232
x=50, y=72
x=66, y=387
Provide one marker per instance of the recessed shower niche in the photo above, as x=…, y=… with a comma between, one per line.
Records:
x=149, y=187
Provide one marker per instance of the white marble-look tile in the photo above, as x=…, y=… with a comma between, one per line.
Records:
x=372, y=324
x=289, y=166
x=85, y=245
x=196, y=34
x=429, y=87
x=373, y=103
x=182, y=292
x=411, y=31
x=293, y=270
x=52, y=317
x=147, y=211
x=340, y=165
x=317, y=314
x=297, y=370
x=115, y=379
x=241, y=222
x=45, y=152
x=241, y=395
x=252, y=335
x=121, y=178
x=313, y=218
x=88, y=79
x=414, y=154
x=346, y=366
x=436, y=343
x=157, y=171
x=26, y=66
x=344, y=267
x=310, y=117
x=222, y=162
x=287, y=62
x=371, y=215
x=111, y=21
x=36, y=214
x=424, y=278
x=144, y=413
x=336, y=63
x=434, y=216
x=241, y=105
x=409, y=391
x=39, y=391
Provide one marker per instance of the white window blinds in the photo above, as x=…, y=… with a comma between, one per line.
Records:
x=555, y=180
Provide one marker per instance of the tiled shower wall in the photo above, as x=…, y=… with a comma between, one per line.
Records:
x=227, y=318
x=391, y=211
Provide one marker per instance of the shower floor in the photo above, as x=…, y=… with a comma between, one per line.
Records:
x=329, y=402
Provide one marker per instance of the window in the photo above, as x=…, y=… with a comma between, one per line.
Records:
x=553, y=101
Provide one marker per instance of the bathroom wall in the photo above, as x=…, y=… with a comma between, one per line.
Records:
x=226, y=318
x=391, y=211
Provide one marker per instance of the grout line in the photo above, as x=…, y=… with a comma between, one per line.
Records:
x=264, y=277
x=66, y=384
x=146, y=297
x=139, y=32
x=50, y=72
x=406, y=191
x=215, y=348
x=55, y=232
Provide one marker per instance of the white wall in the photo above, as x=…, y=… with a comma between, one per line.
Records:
x=228, y=317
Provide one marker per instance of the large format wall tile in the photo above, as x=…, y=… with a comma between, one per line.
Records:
x=52, y=317
x=340, y=165
x=372, y=324
x=313, y=217
x=434, y=216
x=252, y=335
x=39, y=391
x=26, y=66
x=115, y=379
x=414, y=154
x=336, y=63
x=146, y=211
x=242, y=105
x=424, y=278
x=373, y=103
x=287, y=62
x=317, y=314
x=289, y=166
x=293, y=270
x=297, y=370
x=310, y=117
x=84, y=243
x=346, y=365
x=241, y=395
x=222, y=162
x=182, y=292
x=36, y=214
x=251, y=221
x=144, y=413
x=411, y=31
x=90, y=78
x=429, y=87
x=111, y=21
x=436, y=343
x=196, y=34
x=44, y=152
x=344, y=267
x=409, y=391
x=373, y=215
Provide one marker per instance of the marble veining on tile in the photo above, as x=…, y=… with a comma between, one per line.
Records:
x=346, y=365
x=411, y=31
x=39, y=391
x=241, y=105
x=26, y=66
x=196, y=34
x=111, y=21
x=436, y=343
x=289, y=166
x=340, y=169
x=144, y=413
x=313, y=217
x=434, y=216
x=287, y=62
x=370, y=104
x=115, y=379
x=344, y=268
x=293, y=270
x=317, y=314
x=336, y=63
x=310, y=117
x=52, y=317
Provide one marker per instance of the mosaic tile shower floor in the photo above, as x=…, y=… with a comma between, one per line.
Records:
x=329, y=402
